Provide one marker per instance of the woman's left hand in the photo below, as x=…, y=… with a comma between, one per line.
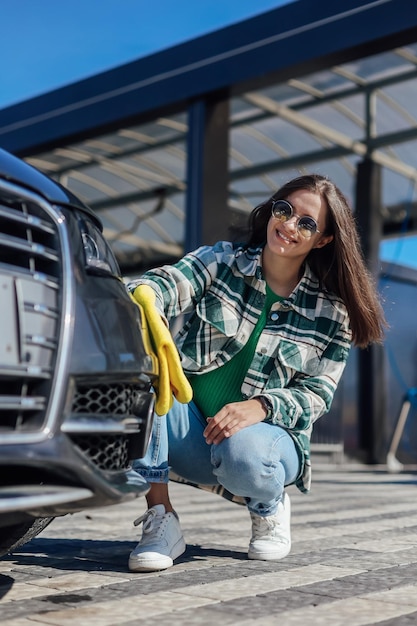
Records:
x=232, y=418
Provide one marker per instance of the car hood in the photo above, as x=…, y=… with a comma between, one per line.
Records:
x=17, y=171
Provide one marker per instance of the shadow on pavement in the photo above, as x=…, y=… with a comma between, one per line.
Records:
x=98, y=555
x=6, y=583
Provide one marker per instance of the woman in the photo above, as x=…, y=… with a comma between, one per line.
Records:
x=269, y=330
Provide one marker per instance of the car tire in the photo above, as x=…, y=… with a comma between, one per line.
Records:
x=12, y=537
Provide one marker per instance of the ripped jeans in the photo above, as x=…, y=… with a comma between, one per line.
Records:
x=257, y=462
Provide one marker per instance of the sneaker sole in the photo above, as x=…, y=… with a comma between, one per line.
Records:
x=153, y=562
x=269, y=556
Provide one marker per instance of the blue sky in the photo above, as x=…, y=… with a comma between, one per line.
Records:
x=46, y=44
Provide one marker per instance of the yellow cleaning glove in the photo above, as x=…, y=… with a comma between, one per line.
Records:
x=171, y=380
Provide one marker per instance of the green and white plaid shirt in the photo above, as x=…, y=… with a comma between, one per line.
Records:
x=300, y=355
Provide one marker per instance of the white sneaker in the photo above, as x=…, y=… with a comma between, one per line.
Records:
x=161, y=541
x=271, y=535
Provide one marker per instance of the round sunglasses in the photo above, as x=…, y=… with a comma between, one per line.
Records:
x=283, y=211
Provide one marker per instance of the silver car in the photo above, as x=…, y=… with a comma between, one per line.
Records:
x=76, y=373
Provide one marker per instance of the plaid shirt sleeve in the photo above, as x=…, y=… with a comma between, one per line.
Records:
x=309, y=395
x=180, y=286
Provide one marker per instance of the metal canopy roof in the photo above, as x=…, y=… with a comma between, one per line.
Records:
x=292, y=109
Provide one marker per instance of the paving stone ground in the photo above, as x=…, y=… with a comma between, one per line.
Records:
x=353, y=562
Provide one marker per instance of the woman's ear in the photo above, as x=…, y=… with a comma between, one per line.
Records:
x=324, y=241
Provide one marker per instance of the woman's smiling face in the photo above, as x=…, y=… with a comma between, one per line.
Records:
x=284, y=238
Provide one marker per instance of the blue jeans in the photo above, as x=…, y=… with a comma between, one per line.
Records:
x=257, y=462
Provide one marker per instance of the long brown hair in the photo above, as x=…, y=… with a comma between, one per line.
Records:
x=339, y=265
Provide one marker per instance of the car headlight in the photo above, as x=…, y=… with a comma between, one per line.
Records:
x=99, y=257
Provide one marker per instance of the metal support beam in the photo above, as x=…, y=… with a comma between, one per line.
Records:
x=207, y=172
x=372, y=408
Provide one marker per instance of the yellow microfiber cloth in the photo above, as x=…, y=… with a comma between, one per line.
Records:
x=171, y=380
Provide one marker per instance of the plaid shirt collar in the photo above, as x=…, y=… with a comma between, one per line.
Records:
x=249, y=262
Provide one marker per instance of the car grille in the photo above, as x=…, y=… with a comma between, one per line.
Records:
x=116, y=399
x=30, y=284
x=108, y=451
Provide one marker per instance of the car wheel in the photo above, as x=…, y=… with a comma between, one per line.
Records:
x=12, y=537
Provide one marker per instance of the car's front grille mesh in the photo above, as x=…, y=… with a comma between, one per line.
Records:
x=30, y=271
x=108, y=452
x=116, y=399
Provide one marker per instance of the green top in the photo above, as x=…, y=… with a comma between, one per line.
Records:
x=211, y=391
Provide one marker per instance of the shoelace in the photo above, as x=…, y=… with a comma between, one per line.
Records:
x=261, y=525
x=147, y=519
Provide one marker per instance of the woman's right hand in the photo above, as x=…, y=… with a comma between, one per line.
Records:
x=232, y=418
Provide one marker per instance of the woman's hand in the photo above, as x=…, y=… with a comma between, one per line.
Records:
x=232, y=418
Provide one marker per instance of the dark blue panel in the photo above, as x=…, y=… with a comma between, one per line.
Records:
x=196, y=124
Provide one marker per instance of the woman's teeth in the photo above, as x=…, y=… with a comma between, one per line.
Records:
x=287, y=239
